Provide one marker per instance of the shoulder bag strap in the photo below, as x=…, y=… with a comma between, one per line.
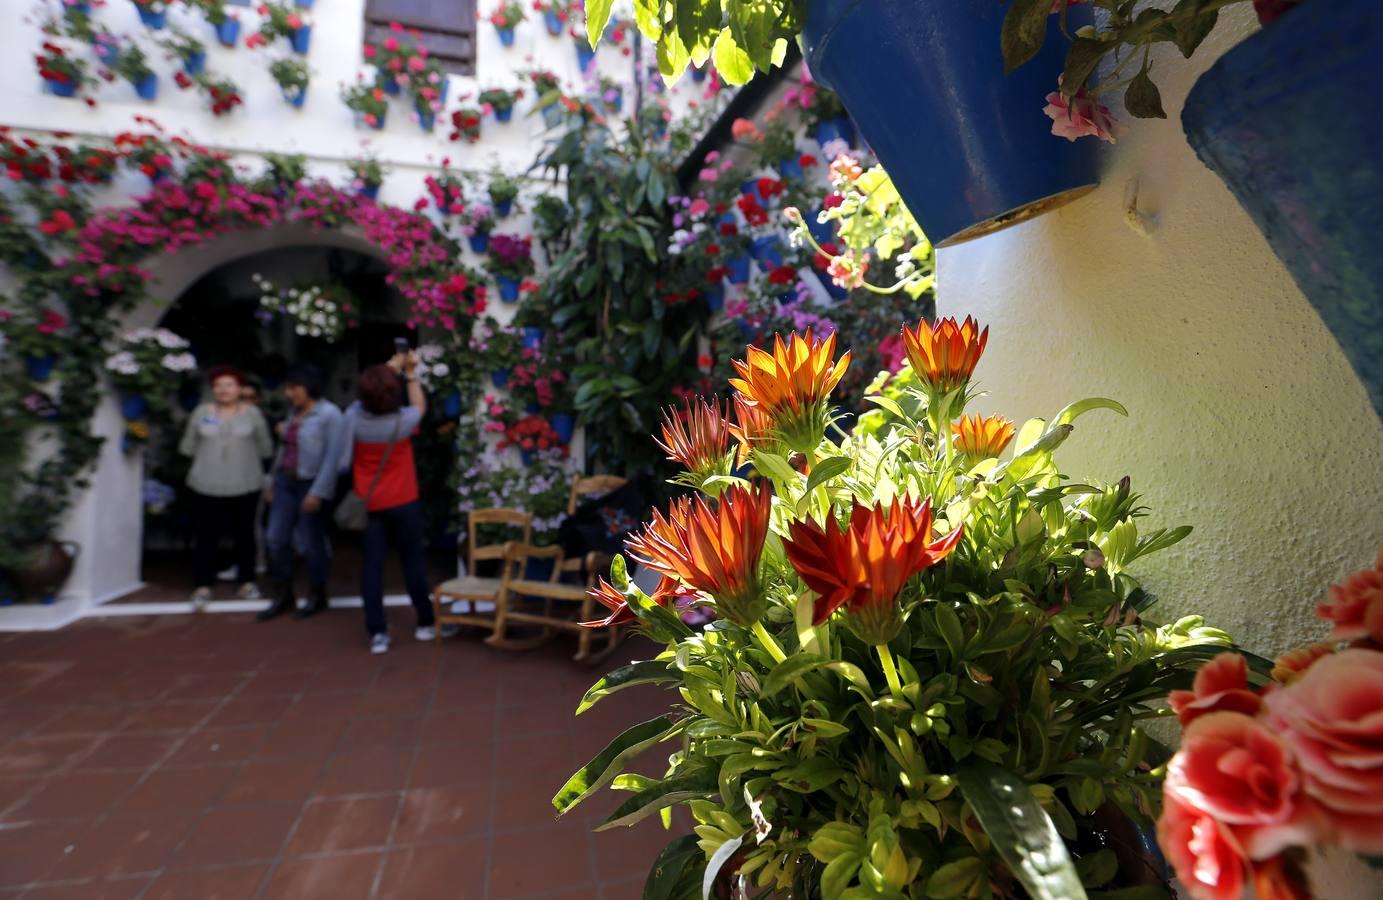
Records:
x=384, y=460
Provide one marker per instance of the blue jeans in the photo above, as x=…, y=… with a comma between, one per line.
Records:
x=286, y=516
x=401, y=526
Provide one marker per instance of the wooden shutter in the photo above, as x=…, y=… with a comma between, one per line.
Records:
x=447, y=27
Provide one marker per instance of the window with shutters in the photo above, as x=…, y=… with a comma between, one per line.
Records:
x=447, y=28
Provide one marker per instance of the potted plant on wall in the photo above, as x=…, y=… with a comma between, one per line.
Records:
x=222, y=94
x=133, y=66
x=278, y=20
x=63, y=75
x=153, y=13
x=146, y=368
x=368, y=102
x=367, y=175
x=500, y=101
x=503, y=190
x=506, y=18
x=292, y=76
x=37, y=337
x=510, y=261
x=187, y=50
x=465, y=124
x=225, y=22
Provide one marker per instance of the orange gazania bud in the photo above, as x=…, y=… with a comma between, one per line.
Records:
x=613, y=600
x=713, y=549
x=981, y=438
x=864, y=566
x=944, y=355
x=793, y=385
x=751, y=428
x=697, y=437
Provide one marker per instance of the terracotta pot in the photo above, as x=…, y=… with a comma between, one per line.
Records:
x=44, y=568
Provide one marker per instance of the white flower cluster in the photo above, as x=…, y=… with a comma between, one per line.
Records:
x=122, y=363
x=179, y=362
x=314, y=313
x=160, y=336
x=431, y=369
x=150, y=347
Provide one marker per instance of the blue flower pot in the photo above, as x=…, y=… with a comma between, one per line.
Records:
x=553, y=23
x=82, y=8
x=480, y=241
x=426, y=117
x=767, y=252
x=968, y=145
x=531, y=409
x=504, y=115
x=151, y=19
x=835, y=290
x=584, y=55
x=504, y=207
x=451, y=405
x=40, y=368
x=295, y=96
x=1298, y=147
x=737, y=269
x=616, y=105
x=715, y=297
x=829, y=130
x=386, y=82
x=303, y=4
x=552, y=115
x=60, y=88
x=750, y=187
x=195, y=63
x=727, y=219
x=370, y=190
x=302, y=40
x=564, y=425
x=537, y=568
x=379, y=123
x=147, y=87
x=698, y=75
x=790, y=168
x=508, y=289
x=48, y=599
x=228, y=32
x=747, y=331
x=506, y=36
x=6, y=601
x=823, y=232
x=500, y=377
x=108, y=54
x=532, y=337
x=134, y=407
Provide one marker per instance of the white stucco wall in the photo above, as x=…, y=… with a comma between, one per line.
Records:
x=1245, y=419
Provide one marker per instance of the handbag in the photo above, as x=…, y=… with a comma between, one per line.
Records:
x=353, y=510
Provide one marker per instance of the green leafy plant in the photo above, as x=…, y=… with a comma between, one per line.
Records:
x=283, y=170
x=502, y=188
x=290, y=74
x=182, y=46
x=367, y=171
x=508, y=15
x=500, y=99
x=930, y=673
x=132, y=64
x=367, y=101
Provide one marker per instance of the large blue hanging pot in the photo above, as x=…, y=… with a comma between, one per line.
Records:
x=1292, y=121
x=968, y=147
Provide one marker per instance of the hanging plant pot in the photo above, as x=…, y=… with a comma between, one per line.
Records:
x=615, y=104
x=584, y=55
x=43, y=568
x=829, y=130
x=387, y=83
x=134, y=407
x=504, y=207
x=303, y=4
x=552, y=115
x=40, y=368
x=508, y=288
x=451, y=405
x=228, y=32
x=532, y=338
x=480, y=241
x=151, y=18
x=698, y=75
x=715, y=297
x=790, y=168
x=301, y=40
x=426, y=117
x=737, y=269
x=374, y=122
x=968, y=146
x=1289, y=120
x=505, y=114
x=295, y=96
x=194, y=63
x=506, y=36
x=500, y=377
x=553, y=23
x=369, y=190
x=60, y=88
x=564, y=425
x=147, y=87
x=767, y=251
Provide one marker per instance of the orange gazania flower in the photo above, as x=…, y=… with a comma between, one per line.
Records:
x=982, y=437
x=944, y=355
x=713, y=549
x=864, y=566
x=792, y=385
x=697, y=437
x=613, y=600
x=752, y=428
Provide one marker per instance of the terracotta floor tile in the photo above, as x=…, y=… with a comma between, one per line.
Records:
x=210, y=745
x=237, y=834
x=198, y=687
x=25, y=756
x=328, y=878
x=165, y=790
x=380, y=731
x=349, y=823
x=544, y=753
x=119, y=845
x=127, y=888
x=396, y=701
x=250, y=711
x=305, y=739
x=445, y=764
x=631, y=889
x=365, y=772
x=431, y=813
x=128, y=751
x=455, y=870
x=170, y=715
x=234, y=883
x=539, y=718
x=87, y=719
x=12, y=791
x=526, y=862
x=29, y=852
x=282, y=780
x=629, y=852
x=458, y=725
x=525, y=801
x=76, y=794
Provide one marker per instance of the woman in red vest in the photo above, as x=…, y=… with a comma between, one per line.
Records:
x=379, y=428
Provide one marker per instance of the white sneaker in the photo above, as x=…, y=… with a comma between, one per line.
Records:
x=227, y=574
x=249, y=591
x=200, y=598
x=428, y=633
x=379, y=643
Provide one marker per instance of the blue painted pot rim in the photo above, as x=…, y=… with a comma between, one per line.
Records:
x=968, y=146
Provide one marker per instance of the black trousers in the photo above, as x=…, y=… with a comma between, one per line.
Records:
x=215, y=518
x=401, y=526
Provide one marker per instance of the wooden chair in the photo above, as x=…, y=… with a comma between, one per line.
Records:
x=580, y=489
x=575, y=599
x=472, y=588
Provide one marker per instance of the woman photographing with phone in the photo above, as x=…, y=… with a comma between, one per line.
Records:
x=379, y=450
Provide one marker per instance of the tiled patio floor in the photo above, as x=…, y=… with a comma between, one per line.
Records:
x=215, y=758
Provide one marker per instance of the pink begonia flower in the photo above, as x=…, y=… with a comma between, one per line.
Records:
x=700, y=206
x=416, y=64
x=1355, y=605
x=891, y=352
x=1331, y=718
x=712, y=156
x=708, y=175
x=1082, y=116
x=1221, y=685
x=845, y=168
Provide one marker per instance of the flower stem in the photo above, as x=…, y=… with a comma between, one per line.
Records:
x=767, y=640
x=895, y=687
